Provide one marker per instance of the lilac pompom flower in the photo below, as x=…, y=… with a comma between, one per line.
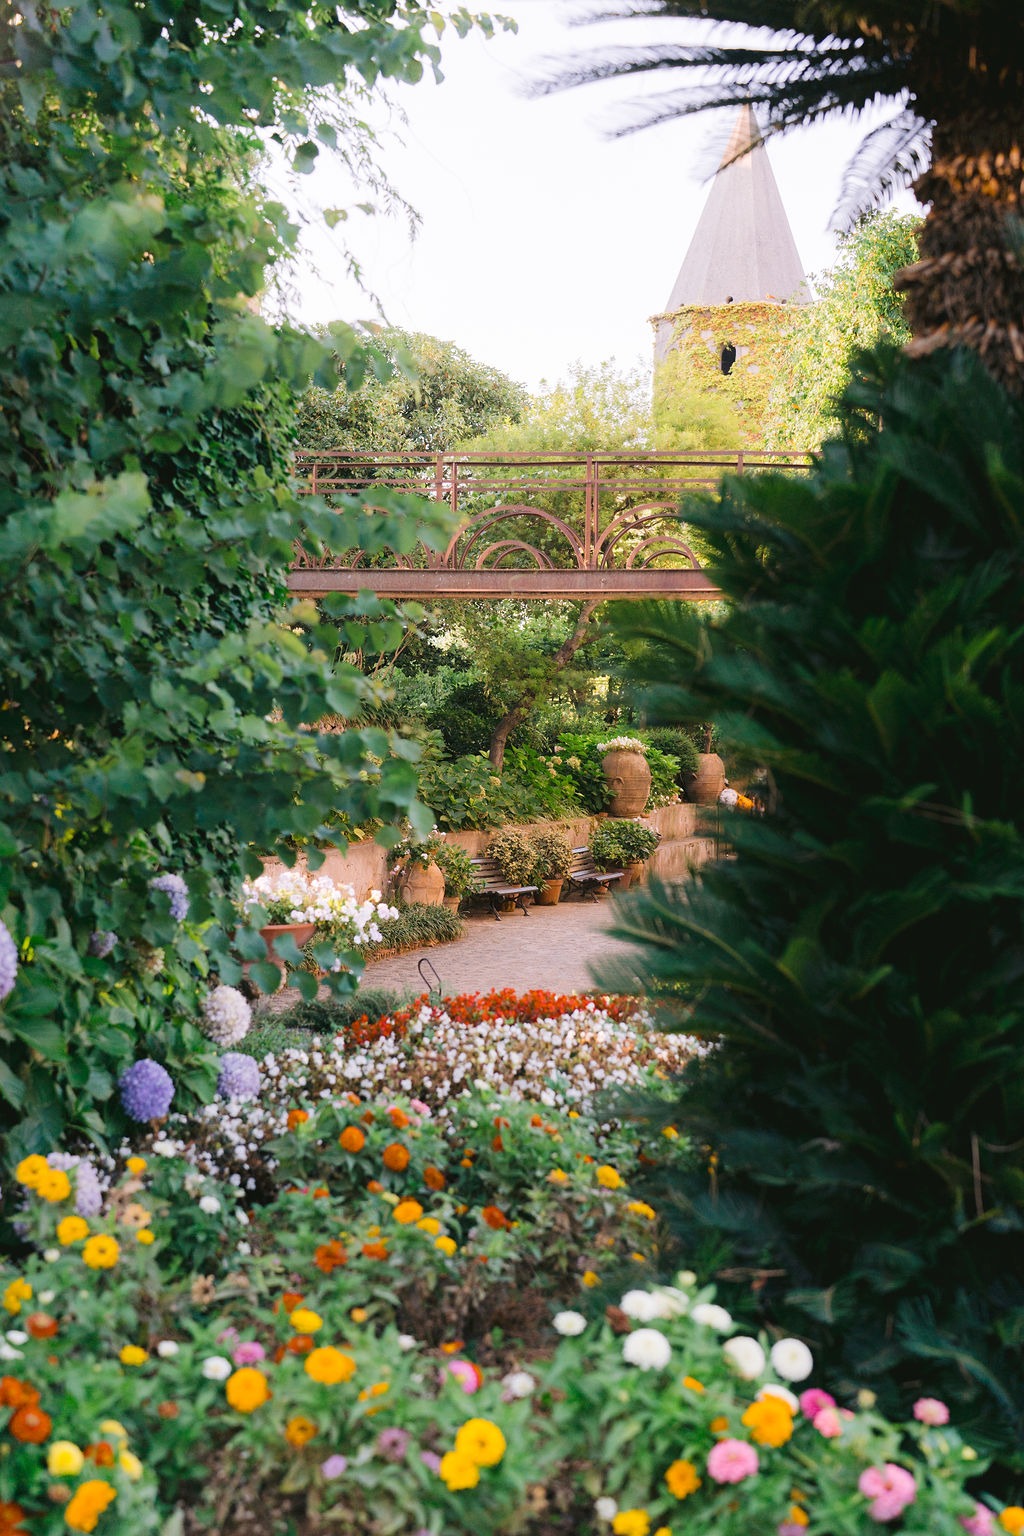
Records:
x=226, y=1016
x=239, y=1076
x=88, y=1189
x=102, y=942
x=146, y=1090
x=176, y=890
x=8, y=962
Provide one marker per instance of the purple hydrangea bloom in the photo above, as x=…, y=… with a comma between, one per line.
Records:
x=88, y=1189
x=146, y=1090
x=8, y=962
x=239, y=1076
x=102, y=942
x=175, y=888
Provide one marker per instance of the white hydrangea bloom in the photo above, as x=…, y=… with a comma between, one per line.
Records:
x=226, y=1016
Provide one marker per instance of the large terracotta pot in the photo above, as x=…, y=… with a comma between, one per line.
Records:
x=300, y=932
x=422, y=884
x=705, y=786
x=633, y=874
x=548, y=894
x=629, y=779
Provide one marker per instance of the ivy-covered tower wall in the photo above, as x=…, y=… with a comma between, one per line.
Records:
x=689, y=351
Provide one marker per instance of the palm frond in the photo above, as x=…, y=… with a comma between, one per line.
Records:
x=888, y=159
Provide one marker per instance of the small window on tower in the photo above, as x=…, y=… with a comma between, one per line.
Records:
x=728, y=357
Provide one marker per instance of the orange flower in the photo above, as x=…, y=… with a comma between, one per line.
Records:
x=17, y=1394
x=299, y=1431
x=168, y=1410
x=247, y=1389
x=496, y=1218
x=41, y=1325
x=89, y=1501
x=329, y=1365
x=300, y=1344
x=537, y=1120
x=30, y=1425
x=406, y=1212
x=719, y=1426
x=399, y=1119
x=353, y=1098
x=770, y=1421
x=297, y=1117
x=352, y=1139
x=321, y=1193
x=375, y=1250
x=452, y=1347
x=497, y=1144
x=290, y=1300
x=433, y=1178
x=693, y=1384
x=102, y=1453
x=367, y=1117
x=375, y=1187
x=330, y=1256
x=396, y=1157
x=11, y=1516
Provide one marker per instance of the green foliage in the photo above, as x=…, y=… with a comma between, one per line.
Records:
x=581, y=761
x=430, y=396
x=856, y=307
x=329, y=1015
x=454, y=864
x=155, y=685
x=465, y=719
x=552, y=856
x=515, y=856
x=616, y=842
x=467, y=794
x=541, y=783
x=860, y=957
x=675, y=742
x=416, y=925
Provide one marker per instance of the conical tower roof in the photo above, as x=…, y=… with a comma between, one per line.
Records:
x=743, y=248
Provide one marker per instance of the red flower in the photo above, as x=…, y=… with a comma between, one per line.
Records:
x=330, y=1256
x=375, y=1251
x=17, y=1394
x=30, y=1425
x=495, y=1217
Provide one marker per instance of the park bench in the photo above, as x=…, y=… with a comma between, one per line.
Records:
x=587, y=877
x=490, y=884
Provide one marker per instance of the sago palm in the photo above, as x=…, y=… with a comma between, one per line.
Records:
x=953, y=71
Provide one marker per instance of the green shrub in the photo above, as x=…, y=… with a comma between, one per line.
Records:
x=331, y=1015
x=454, y=863
x=615, y=842
x=515, y=857
x=467, y=794
x=678, y=743
x=552, y=856
x=542, y=784
x=466, y=719
x=416, y=925
x=582, y=762
x=860, y=957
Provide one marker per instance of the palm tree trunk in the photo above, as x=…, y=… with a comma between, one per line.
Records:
x=968, y=287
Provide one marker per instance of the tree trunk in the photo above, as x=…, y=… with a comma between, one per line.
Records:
x=968, y=287
x=519, y=711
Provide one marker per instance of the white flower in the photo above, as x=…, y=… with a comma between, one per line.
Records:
x=8, y=1352
x=216, y=1368
x=745, y=1355
x=244, y=1249
x=517, y=1384
x=226, y=1016
x=45, y=1297
x=648, y=1349
x=772, y=1389
x=711, y=1316
x=16, y=1336
x=51, y=1255
x=240, y=1216
x=163, y=1148
x=605, y=1508
x=673, y=1302
x=686, y=1277
x=792, y=1360
x=406, y=1341
x=642, y=1306
x=569, y=1324
x=209, y=1205
x=166, y=1349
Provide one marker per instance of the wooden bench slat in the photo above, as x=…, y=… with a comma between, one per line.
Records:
x=490, y=884
x=585, y=873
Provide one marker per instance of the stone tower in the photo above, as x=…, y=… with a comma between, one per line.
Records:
x=725, y=325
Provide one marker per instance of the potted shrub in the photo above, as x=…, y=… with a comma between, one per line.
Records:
x=628, y=775
x=705, y=786
x=454, y=864
x=416, y=874
x=626, y=845
x=514, y=856
x=553, y=861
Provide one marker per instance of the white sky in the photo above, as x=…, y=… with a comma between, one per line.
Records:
x=542, y=240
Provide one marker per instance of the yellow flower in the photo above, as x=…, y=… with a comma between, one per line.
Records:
x=681, y=1479
x=299, y=1430
x=136, y=1165
x=458, y=1472
x=64, y=1459
x=482, y=1441
x=447, y=1245
x=378, y=1389
x=145, y=1237
x=131, y=1354
x=101, y=1252
x=574, y=1114
x=329, y=1365
x=113, y=1429
x=693, y=1384
x=407, y=1211
x=17, y=1292
x=590, y=1278
x=53, y=1185
x=71, y=1229
x=558, y=1176
x=305, y=1321
x=770, y=1421
x=89, y=1501
x=631, y=1522
x=31, y=1169
x=359, y=1314
x=247, y=1389
x=429, y=1224
x=130, y=1465
x=798, y=1516
x=638, y=1258
x=609, y=1177
x=670, y=1133
x=1012, y=1520
x=640, y=1208
x=663, y=1530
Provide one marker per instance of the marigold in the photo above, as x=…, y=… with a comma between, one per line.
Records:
x=30, y=1425
x=247, y=1389
x=375, y=1187
x=53, y=1186
x=798, y=1516
x=770, y=1421
x=495, y=1217
x=352, y=1139
x=31, y=1169
x=536, y=1120
x=17, y=1394
x=101, y=1251
x=297, y=1117
x=136, y=1165
x=375, y=1250
x=641, y=1208
x=589, y=1278
x=305, y=1320
x=11, y=1516
x=395, y=1157
x=131, y=1354
x=89, y=1501
x=299, y=1430
x=398, y=1117
x=458, y=1472
x=145, y=1237
x=433, y=1178
x=609, y=1177
x=482, y=1441
x=631, y=1522
x=101, y=1453
x=298, y=1344
x=681, y=1479
x=719, y=1425
x=330, y=1256
x=447, y=1245
x=18, y=1291
x=329, y=1365
x=558, y=1176
x=407, y=1211
x=71, y=1229
x=1012, y=1520
x=429, y=1224
x=359, y=1314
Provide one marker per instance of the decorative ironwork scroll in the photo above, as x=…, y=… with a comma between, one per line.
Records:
x=532, y=525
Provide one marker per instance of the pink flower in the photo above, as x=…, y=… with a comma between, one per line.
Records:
x=981, y=1523
x=226, y=1335
x=468, y=1375
x=730, y=1461
x=928, y=1410
x=790, y=1528
x=421, y=1108
x=890, y=1488
x=828, y=1423
x=814, y=1400
x=248, y=1352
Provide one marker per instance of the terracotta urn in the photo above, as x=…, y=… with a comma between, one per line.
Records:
x=549, y=893
x=705, y=786
x=633, y=874
x=423, y=884
x=629, y=779
x=300, y=932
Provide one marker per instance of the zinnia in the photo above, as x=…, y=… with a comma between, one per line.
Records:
x=481, y=1441
x=930, y=1411
x=88, y=1502
x=647, y=1349
x=396, y=1157
x=352, y=1139
x=101, y=1252
x=299, y=1430
x=407, y=1211
x=458, y=1472
x=681, y=1479
x=890, y=1489
x=30, y=1425
x=732, y=1461
x=247, y=1389
x=329, y=1365
x=64, y=1459
x=770, y=1421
